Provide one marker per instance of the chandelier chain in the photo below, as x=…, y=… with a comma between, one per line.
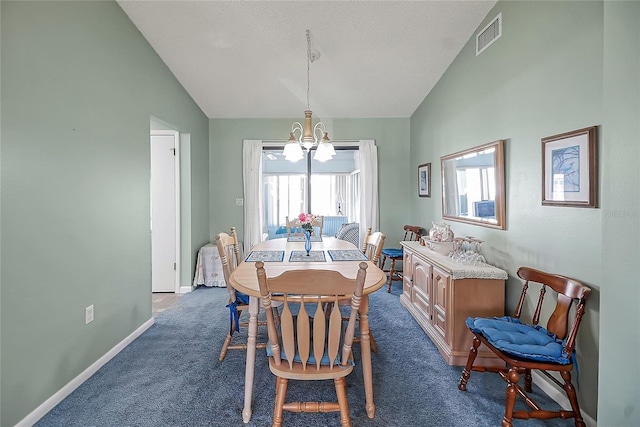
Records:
x=308, y=66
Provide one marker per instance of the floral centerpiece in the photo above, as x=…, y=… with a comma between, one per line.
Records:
x=306, y=221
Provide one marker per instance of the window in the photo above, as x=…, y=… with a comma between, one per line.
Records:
x=327, y=188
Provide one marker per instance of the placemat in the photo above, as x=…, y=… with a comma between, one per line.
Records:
x=347, y=255
x=301, y=256
x=301, y=239
x=266, y=256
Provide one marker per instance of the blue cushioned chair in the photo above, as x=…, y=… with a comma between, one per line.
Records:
x=411, y=232
x=311, y=345
x=526, y=346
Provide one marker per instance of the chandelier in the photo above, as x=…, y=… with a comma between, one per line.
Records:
x=306, y=136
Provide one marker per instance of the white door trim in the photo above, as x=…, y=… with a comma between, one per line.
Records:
x=176, y=136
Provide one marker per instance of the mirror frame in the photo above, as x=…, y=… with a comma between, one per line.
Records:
x=498, y=161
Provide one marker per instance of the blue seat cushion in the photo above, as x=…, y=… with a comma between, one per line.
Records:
x=392, y=252
x=513, y=337
x=233, y=309
x=242, y=298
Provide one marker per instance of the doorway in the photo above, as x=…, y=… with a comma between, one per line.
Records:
x=165, y=210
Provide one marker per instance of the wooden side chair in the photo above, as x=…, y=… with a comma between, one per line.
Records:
x=229, y=251
x=372, y=245
x=527, y=346
x=311, y=345
x=293, y=227
x=317, y=223
x=371, y=248
x=411, y=233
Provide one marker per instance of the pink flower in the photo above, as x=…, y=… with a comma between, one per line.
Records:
x=306, y=221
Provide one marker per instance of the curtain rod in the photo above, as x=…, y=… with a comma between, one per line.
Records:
x=284, y=141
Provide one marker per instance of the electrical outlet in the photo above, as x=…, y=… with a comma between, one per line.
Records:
x=88, y=315
x=239, y=202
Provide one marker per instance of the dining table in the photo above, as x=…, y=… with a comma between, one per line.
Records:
x=327, y=253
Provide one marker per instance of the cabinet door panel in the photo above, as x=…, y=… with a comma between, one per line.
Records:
x=407, y=277
x=422, y=276
x=440, y=296
x=422, y=287
x=421, y=300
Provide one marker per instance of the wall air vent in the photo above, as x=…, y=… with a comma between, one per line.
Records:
x=489, y=34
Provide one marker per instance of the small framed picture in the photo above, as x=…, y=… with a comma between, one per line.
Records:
x=424, y=180
x=570, y=169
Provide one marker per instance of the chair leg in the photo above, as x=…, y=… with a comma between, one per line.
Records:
x=225, y=347
x=341, y=392
x=466, y=373
x=573, y=399
x=512, y=390
x=374, y=345
x=391, y=273
x=527, y=381
x=383, y=260
x=281, y=393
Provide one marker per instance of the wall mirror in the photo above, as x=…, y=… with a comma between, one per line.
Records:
x=473, y=185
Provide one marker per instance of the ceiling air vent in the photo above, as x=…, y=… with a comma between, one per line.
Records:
x=489, y=34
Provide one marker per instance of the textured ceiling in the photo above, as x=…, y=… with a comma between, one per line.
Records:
x=248, y=59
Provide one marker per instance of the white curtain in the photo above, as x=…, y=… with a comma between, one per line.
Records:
x=252, y=188
x=368, y=186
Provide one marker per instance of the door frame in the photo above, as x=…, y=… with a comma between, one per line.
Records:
x=176, y=165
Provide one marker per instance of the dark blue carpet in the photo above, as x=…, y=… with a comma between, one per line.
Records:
x=170, y=376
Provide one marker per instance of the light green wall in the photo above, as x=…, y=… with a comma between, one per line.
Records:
x=79, y=86
x=619, y=392
x=392, y=140
x=544, y=77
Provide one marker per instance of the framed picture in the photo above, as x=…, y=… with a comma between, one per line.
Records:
x=424, y=180
x=570, y=169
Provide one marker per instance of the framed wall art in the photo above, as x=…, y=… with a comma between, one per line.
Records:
x=570, y=169
x=424, y=180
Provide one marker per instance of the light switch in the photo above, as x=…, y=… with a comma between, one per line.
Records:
x=239, y=202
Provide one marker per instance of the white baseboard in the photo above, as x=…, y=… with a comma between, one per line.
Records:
x=59, y=396
x=558, y=395
x=186, y=289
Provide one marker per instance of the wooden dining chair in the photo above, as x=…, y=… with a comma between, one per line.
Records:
x=372, y=245
x=528, y=346
x=229, y=251
x=411, y=233
x=310, y=343
x=317, y=224
x=293, y=227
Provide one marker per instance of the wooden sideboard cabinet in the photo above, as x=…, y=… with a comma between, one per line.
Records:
x=441, y=293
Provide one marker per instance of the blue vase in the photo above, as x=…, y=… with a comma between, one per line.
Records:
x=307, y=241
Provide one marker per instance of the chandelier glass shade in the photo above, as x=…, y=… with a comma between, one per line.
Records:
x=307, y=136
